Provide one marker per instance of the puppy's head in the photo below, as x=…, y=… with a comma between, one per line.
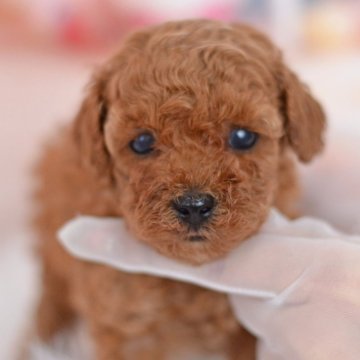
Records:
x=190, y=121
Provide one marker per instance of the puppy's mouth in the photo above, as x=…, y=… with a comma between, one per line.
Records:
x=196, y=238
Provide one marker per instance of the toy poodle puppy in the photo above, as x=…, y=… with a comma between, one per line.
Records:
x=190, y=133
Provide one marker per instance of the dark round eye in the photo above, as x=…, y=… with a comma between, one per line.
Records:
x=242, y=139
x=143, y=144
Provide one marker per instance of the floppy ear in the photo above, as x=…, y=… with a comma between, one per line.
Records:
x=88, y=130
x=304, y=116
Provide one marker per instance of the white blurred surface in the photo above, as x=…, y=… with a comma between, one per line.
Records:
x=37, y=92
x=18, y=293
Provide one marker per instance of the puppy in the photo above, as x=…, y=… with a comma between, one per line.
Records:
x=190, y=133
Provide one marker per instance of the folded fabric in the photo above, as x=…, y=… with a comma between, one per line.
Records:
x=295, y=285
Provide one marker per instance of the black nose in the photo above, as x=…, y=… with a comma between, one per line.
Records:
x=194, y=208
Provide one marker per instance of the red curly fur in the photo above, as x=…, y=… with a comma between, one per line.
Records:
x=189, y=83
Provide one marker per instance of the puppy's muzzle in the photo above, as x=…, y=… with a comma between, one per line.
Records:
x=194, y=209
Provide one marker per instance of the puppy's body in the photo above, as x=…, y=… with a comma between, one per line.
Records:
x=89, y=169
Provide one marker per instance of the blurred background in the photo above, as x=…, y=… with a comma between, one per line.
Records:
x=48, y=48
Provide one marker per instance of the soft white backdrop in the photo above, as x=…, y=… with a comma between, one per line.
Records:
x=37, y=92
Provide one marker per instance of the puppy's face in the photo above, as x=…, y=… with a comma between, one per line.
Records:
x=195, y=119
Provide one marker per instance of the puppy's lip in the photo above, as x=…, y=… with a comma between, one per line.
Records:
x=195, y=238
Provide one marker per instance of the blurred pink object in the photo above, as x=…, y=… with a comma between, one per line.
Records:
x=219, y=11
x=94, y=24
x=84, y=24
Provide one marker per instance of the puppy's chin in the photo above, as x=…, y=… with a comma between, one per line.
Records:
x=215, y=240
x=191, y=252
x=194, y=249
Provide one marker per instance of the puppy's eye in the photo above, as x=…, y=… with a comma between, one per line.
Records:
x=143, y=144
x=242, y=139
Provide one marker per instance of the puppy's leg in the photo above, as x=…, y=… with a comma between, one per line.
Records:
x=242, y=346
x=110, y=344
x=122, y=311
x=54, y=312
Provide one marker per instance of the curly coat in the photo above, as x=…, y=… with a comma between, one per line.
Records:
x=189, y=83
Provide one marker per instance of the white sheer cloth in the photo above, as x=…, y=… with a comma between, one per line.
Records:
x=295, y=285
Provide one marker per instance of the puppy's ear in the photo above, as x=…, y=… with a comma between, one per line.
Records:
x=304, y=116
x=88, y=130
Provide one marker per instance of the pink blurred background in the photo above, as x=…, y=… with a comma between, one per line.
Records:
x=49, y=47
